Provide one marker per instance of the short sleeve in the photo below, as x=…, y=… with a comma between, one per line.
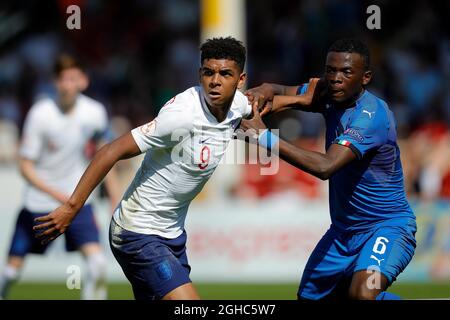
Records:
x=172, y=125
x=33, y=136
x=243, y=104
x=247, y=110
x=366, y=131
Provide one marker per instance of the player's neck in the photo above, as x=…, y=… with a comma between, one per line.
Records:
x=66, y=106
x=350, y=102
x=220, y=113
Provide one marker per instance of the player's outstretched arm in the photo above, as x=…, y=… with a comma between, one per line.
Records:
x=56, y=222
x=111, y=180
x=265, y=94
x=303, y=101
x=275, y=98
x=320, y=165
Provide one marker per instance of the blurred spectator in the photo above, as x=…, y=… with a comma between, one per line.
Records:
x=9, y=141
x=9, y=131
x=430, y=150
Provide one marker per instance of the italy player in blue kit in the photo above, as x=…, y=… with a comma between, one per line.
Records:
x=372, y=234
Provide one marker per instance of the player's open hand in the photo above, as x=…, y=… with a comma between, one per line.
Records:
x=264, y=94
x=54, y=224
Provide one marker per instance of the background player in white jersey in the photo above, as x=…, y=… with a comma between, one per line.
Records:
x=183, y=146
x=52, y=160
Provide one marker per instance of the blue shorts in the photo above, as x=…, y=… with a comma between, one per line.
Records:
x=154, y=265
x=82, y=230
x=328, y=272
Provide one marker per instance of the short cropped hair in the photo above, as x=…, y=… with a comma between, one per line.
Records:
x=65, y=61
x=224, y=48
x=352, y=46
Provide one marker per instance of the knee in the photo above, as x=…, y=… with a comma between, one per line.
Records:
x=367, y=286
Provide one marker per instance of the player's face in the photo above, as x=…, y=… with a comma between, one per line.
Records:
x=69, y=83
x=345, y=76
x=220, y=78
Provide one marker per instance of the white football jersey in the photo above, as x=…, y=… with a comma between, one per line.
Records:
x=183, y=146
x=56, y=142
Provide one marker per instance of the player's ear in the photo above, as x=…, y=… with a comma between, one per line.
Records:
x=367, y=76
x=242, y=79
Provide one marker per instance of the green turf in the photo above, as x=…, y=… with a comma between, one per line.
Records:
x=247, y=291
x=58, y=291
x=422, y=291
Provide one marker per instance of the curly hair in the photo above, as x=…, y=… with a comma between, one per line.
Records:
x=224, y=48
x=352, y=46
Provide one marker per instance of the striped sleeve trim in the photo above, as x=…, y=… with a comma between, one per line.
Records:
x=348, y=144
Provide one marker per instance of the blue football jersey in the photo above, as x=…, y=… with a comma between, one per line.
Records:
x=368, y=191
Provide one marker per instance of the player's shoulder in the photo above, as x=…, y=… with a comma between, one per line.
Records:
x=180, y=108
x=191, y=94
x=373, y=108
x=241, y=105
x=240, y=102
x=91, y=108
x=88, y=102
x=43, y=103
x=182, y=105
x=42, y=108
x=183, y=102
x=240, y=98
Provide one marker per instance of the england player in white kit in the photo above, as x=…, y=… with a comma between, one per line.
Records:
x=52, y=160
x=183, y=146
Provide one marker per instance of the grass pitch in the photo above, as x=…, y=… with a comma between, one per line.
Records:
x=216, y=291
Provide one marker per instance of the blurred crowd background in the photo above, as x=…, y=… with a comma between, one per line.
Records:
x=141, y=53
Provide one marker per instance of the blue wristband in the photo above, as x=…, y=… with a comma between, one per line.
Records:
x=267, y=139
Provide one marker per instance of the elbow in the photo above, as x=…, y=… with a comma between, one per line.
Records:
x=324, y=172
x=323, y=176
